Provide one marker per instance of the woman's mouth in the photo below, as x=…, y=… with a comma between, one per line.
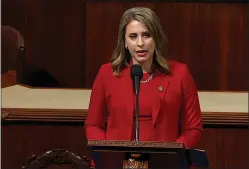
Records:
x=141, y=53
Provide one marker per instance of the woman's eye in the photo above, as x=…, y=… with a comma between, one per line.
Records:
x=147, y=35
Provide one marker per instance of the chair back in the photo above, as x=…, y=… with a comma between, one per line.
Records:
x=58, y=158
x=12, y=44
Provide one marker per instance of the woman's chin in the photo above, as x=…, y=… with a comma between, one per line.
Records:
x=141, y=59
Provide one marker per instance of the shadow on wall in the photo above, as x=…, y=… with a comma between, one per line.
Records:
x=39, y=78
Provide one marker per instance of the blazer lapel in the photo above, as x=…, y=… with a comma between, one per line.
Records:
x=162, y=90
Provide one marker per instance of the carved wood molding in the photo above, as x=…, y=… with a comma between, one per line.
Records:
x=57, y=115
x=4, y=114
x=58, y=156
x=225, y=118
x=47, y=115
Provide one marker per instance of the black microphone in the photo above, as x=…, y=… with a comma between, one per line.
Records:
x=136, y=75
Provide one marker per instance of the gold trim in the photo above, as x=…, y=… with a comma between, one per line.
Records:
x=150, y=144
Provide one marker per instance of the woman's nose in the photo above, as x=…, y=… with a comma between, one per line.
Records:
x=140, y=41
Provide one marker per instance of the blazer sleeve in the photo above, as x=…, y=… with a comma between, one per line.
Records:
x=95, y=122
x=191, y=120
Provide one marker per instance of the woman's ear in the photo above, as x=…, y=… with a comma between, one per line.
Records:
x=126, y=45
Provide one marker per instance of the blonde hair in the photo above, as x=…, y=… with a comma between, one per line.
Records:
x=121, y=56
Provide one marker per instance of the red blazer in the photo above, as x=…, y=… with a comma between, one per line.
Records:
x=178, y=100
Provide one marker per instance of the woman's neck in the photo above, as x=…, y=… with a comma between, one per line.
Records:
x=146, y=66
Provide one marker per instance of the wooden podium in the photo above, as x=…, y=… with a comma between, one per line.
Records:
x=145, y=155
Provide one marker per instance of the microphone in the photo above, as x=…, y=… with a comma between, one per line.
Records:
x=136, y=75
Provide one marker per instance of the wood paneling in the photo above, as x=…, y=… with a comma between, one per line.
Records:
x=8, y=79
x=71, y=39
x=61, y=40
x=13, y=14
x=21, y=141
x=226, y=148
x=54, y=36
x=211, y=38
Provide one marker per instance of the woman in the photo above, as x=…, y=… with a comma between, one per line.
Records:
x=168, y=95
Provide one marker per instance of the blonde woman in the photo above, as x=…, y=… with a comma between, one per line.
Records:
x=169, y=109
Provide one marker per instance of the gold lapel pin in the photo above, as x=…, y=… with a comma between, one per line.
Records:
x=160, y=88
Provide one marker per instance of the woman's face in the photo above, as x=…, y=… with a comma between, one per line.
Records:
x=139, y=42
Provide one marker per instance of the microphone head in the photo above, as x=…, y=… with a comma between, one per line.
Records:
x=136, y=70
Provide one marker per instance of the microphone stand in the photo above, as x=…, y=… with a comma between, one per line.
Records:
x=137, y=121
x=137, y=88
